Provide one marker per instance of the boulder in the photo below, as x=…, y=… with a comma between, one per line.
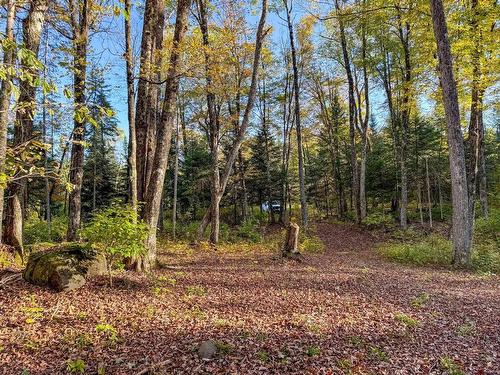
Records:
x=65, y=268
x=207, y=349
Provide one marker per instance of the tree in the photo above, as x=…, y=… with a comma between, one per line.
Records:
x=23, y=127
x=79, y=15
x=462, y=223
x=154, y=190
x=132, y=145
x=5, y=93
x=239, y=137
x=298, y=127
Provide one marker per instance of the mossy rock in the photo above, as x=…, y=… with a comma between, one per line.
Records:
x=64, y=268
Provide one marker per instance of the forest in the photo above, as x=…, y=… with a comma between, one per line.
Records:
x=249, y=187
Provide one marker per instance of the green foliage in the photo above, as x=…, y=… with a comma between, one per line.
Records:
x=466, y=329
x=263, y=356
x=196, y=290
x=434, y=250
x=8, y=259
x=36, y=230
x=450, y=366
x=76, y=366
x=378, y=219
x=313, y=351
x=408, y=321
x=249, y=231
x=375, y=353
x=420, y=300
x=223, y=347
x=311, y=244
x=488, y=229
x=108, y=331
x=116, y=233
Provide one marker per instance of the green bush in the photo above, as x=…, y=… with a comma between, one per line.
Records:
x=311, y=244
x=434, y=250
x=249, y=231
x=486, y=258
x=37, y=230
x=378, y=219
x=116, y=233
x=488, y=229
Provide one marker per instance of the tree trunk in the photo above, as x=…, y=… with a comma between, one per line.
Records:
x=428, y=183
x=290, y=247
x=404, y=36
x=364, y=129
x=5, y=94
x=352, y=117
x=80, y=41
x=23, y=126
x=164, y=134
x=132, y=143
x=145, y=126
x=298, y=127
x=462, y=226
x=176, y=177
x=233, y=153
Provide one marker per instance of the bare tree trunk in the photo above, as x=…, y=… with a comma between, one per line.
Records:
x=164, y=135
x=298, y=127
x=462, y=226
x=404, y=36
x=213, y=128
x=23, y=126
x=364, y=128
x=145, y=126
x=428, y=183
x=352, y=117
x=176, y=177
x=290, y=247
x=483, y=190
x=5, y=94
x=80, y=25
x=132, y=143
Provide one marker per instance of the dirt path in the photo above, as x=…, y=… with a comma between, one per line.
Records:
x=344, y=310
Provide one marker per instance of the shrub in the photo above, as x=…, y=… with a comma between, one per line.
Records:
x=378, y=219
x=116, y=233
x=488, y=229
x=37, y=230
x=311, y=244
x=76, y=366
x=313, y=351
x=249, y=231
x=434, y=250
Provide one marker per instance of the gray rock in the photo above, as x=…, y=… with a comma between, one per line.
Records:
x=207, y=350
x=63, y=269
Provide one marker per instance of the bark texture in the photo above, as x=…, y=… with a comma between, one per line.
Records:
x=163, y=137
x=462, y=225
x=5, y=94
x=23, y=126
x=80, y=26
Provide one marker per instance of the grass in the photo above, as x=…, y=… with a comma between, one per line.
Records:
x=450, y=366
x=410, y=247
x=420, y=300
x=313, y=351
x=408, y=321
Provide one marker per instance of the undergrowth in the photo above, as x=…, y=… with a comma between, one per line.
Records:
x=409, y=247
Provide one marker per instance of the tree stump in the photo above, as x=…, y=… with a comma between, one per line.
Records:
x=290, y=247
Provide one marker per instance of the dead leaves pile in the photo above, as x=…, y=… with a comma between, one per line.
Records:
x=341, y=311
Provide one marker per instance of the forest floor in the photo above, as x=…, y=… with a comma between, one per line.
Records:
x=341, y=311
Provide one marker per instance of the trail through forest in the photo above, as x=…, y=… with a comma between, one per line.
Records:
x=342, y=311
